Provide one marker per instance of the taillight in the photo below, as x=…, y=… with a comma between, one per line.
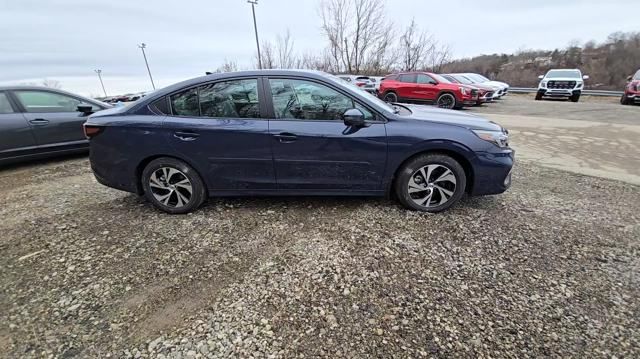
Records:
x=360, y=84
x=92, y=131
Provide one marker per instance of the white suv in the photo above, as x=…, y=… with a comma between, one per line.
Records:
x=567, y=83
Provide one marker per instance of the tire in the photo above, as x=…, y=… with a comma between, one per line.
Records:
x=575, y=98
x=624, y=100
x=390, y=96
x=447, y=101
x=538, y=96
x=443, y=189
x=166, y=182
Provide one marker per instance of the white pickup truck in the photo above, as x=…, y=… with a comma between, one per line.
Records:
x=556, y=83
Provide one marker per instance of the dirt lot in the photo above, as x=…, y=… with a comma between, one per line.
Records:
x=550, y=268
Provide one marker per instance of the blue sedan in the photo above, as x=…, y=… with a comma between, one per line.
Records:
x=293, y=132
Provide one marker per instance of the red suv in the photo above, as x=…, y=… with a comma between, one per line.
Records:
x=632, y=91
x=425, y=87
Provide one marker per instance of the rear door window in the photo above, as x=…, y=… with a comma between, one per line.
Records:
x=408, y=78
x=185, y=103
x=230, y=99
x=46, y=102
x=5, y=105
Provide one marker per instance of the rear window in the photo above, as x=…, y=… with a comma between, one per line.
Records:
x=161, y=106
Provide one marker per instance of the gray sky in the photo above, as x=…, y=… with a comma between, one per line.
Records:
x=66, y=40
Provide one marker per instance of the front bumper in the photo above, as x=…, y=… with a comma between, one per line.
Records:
x=558, y=92
x=633, y=97
x=492, y=172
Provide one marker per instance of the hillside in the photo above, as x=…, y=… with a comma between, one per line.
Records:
x=608, y=64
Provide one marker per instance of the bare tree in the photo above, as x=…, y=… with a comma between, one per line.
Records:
x=228, y=66
x=284, y=51
x=437, y=56
x=268, y=56
x=54, y=84
x=355, y=30
x=414, y=47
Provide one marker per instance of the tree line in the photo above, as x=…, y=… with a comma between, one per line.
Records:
x=359, y=40
x=608, y=64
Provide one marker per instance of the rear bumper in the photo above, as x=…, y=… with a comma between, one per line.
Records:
x=492, y=172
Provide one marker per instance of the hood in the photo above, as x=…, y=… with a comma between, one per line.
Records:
x=578, y=80
x=499, y=84
x=451, y=117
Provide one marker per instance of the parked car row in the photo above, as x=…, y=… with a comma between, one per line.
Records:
x=449, y=91
x=123, y=98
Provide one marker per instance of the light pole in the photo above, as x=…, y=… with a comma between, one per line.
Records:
x=255, y=28
x=142, y=46
x=99, y=72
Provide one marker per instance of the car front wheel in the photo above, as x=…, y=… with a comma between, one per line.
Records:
x=624, y=100
x=430, y=183
x=172, y=186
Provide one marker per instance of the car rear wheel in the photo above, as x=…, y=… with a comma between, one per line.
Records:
x=172, y=186
x=447, y=101
x=390, y=97
x=430, y=183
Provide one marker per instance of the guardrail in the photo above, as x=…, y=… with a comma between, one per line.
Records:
x=584, y=92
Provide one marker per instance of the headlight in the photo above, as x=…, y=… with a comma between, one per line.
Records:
x=579, y=85
x=543, y=84
x=498, y=138
x=464, y=90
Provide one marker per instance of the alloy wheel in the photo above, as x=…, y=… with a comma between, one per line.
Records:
x=432, y=185
x=170, y=187
x=446, y=101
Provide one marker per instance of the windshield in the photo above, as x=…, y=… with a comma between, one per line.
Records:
x=554, y=74
x=476, y=78
x=462, y=79
x=376, y=101
x=637, y=75
x=440, y=78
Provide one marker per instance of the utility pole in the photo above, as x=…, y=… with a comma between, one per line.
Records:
x=255, y=28
x=99, y=72
x=142, y=46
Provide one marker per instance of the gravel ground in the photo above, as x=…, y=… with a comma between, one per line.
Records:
x=548, y=269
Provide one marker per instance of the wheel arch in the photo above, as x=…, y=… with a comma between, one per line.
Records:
x=145, y=161
x=453, y=150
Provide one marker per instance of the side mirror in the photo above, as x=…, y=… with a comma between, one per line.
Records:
x=85, y=109
x=629, y=78
x=585, y=77
x=541, y=77
x=353, y=117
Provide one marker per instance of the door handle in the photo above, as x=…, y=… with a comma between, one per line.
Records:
x=185, y=135
x=39, y=122
x=286, y=137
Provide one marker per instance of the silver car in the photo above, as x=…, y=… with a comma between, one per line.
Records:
x=41, y=122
